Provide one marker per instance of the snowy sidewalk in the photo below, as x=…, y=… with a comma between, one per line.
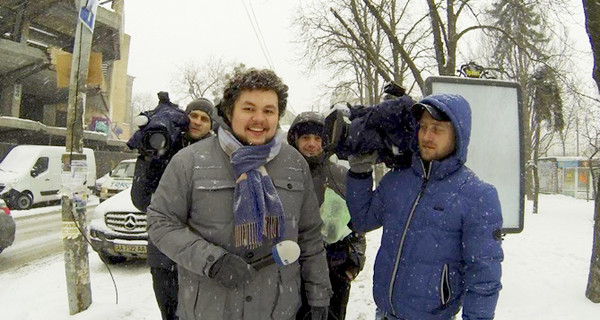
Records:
x=544, y=276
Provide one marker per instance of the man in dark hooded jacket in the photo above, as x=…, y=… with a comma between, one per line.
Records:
x=147, y=176
x=345, y=248
x=441, y=243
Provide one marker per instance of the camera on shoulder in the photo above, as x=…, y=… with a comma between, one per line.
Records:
x=387, y=128
x=160, y=130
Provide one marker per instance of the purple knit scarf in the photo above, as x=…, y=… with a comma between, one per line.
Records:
x=257, y=209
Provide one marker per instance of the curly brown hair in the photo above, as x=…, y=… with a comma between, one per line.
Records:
x=252, y=79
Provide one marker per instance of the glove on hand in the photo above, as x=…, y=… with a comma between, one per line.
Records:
x=231, y=271
x=362, y=163
x=319, y=313
x=356, y=246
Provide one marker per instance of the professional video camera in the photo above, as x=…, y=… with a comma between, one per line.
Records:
x=160, y=130
x=387, y=127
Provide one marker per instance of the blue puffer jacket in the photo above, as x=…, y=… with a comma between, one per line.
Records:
x=440, y=247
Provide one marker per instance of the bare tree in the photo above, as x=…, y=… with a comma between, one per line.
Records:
x=205, y=79
x=142, y=102
x=396, y=40
x=350, y=40
x=592, y=18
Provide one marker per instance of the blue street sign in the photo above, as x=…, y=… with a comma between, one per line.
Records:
x=87, y=14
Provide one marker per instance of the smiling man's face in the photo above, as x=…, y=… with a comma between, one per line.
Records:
x=255, y=116
x=310, y=145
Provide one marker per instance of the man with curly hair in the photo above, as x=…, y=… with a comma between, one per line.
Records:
x=224, y=202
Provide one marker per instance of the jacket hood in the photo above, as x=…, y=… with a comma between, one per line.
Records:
x=304, y=119
x=459, y=112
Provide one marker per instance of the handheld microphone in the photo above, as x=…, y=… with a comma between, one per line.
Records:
x=284, y=253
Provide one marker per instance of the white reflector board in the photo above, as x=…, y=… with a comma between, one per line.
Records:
x=495, y=150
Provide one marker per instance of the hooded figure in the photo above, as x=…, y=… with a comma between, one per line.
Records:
x=441, y=244
x=345, y=248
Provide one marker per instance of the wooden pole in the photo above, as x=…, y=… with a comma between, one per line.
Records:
x=74, y=199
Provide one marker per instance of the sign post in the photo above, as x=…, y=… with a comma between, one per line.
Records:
x=74, y=199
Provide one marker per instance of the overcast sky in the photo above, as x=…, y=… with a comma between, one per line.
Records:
x=167, y=34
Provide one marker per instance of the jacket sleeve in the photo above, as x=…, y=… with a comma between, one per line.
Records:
x=146, y=176
x=482, y=254
x=365, y=205
x=313, y=261
x=336, y=178
x=168, y=219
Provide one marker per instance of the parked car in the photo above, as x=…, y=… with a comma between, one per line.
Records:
x=7, y=227
x=31, y=174
x=118, y=229
x=99, y=182
x=118, y=179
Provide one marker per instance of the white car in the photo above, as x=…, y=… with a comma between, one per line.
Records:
x=118, y=179
x=118, y=229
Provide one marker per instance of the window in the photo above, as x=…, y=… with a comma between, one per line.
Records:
x=40, y=166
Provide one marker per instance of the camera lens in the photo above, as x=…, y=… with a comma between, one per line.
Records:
x=157, y=141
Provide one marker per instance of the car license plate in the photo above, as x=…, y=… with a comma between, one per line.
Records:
x=120, y=185
x=130, y=248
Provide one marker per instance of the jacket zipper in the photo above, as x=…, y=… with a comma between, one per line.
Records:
x=445, y=289
x=401, y=244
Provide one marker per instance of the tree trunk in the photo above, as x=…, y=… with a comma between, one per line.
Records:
x=527, y=140
x=534, y=169
x=592, y=291
x=592, y=21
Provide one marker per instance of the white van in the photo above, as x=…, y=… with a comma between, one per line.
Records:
x=31, y=174
x=118, y=179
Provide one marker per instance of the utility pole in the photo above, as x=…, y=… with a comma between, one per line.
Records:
x=74, y=199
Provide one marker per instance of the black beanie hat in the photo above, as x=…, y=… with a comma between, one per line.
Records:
x=201, y=104
x=309, y=128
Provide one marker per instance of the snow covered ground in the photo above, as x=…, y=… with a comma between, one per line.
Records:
x=544, y=276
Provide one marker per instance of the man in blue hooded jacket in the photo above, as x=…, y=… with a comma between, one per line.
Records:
x=441, y=242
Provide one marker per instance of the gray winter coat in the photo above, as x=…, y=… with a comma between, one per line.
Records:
x=191, y=220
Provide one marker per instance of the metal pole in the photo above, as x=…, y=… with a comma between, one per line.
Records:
x=74, y=199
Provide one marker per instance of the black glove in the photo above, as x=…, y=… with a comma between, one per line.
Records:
x=356, y=246
x=318, y=313
x=362, y=163
x=231, y=271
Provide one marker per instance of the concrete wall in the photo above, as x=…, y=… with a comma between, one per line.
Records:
x=120, y=109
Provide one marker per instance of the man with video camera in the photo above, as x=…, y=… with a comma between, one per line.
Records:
x=147, y=175
x=441, y=243
x=345, y=248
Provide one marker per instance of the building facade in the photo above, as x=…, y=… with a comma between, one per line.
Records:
x=571, y=176
x=35, y=37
